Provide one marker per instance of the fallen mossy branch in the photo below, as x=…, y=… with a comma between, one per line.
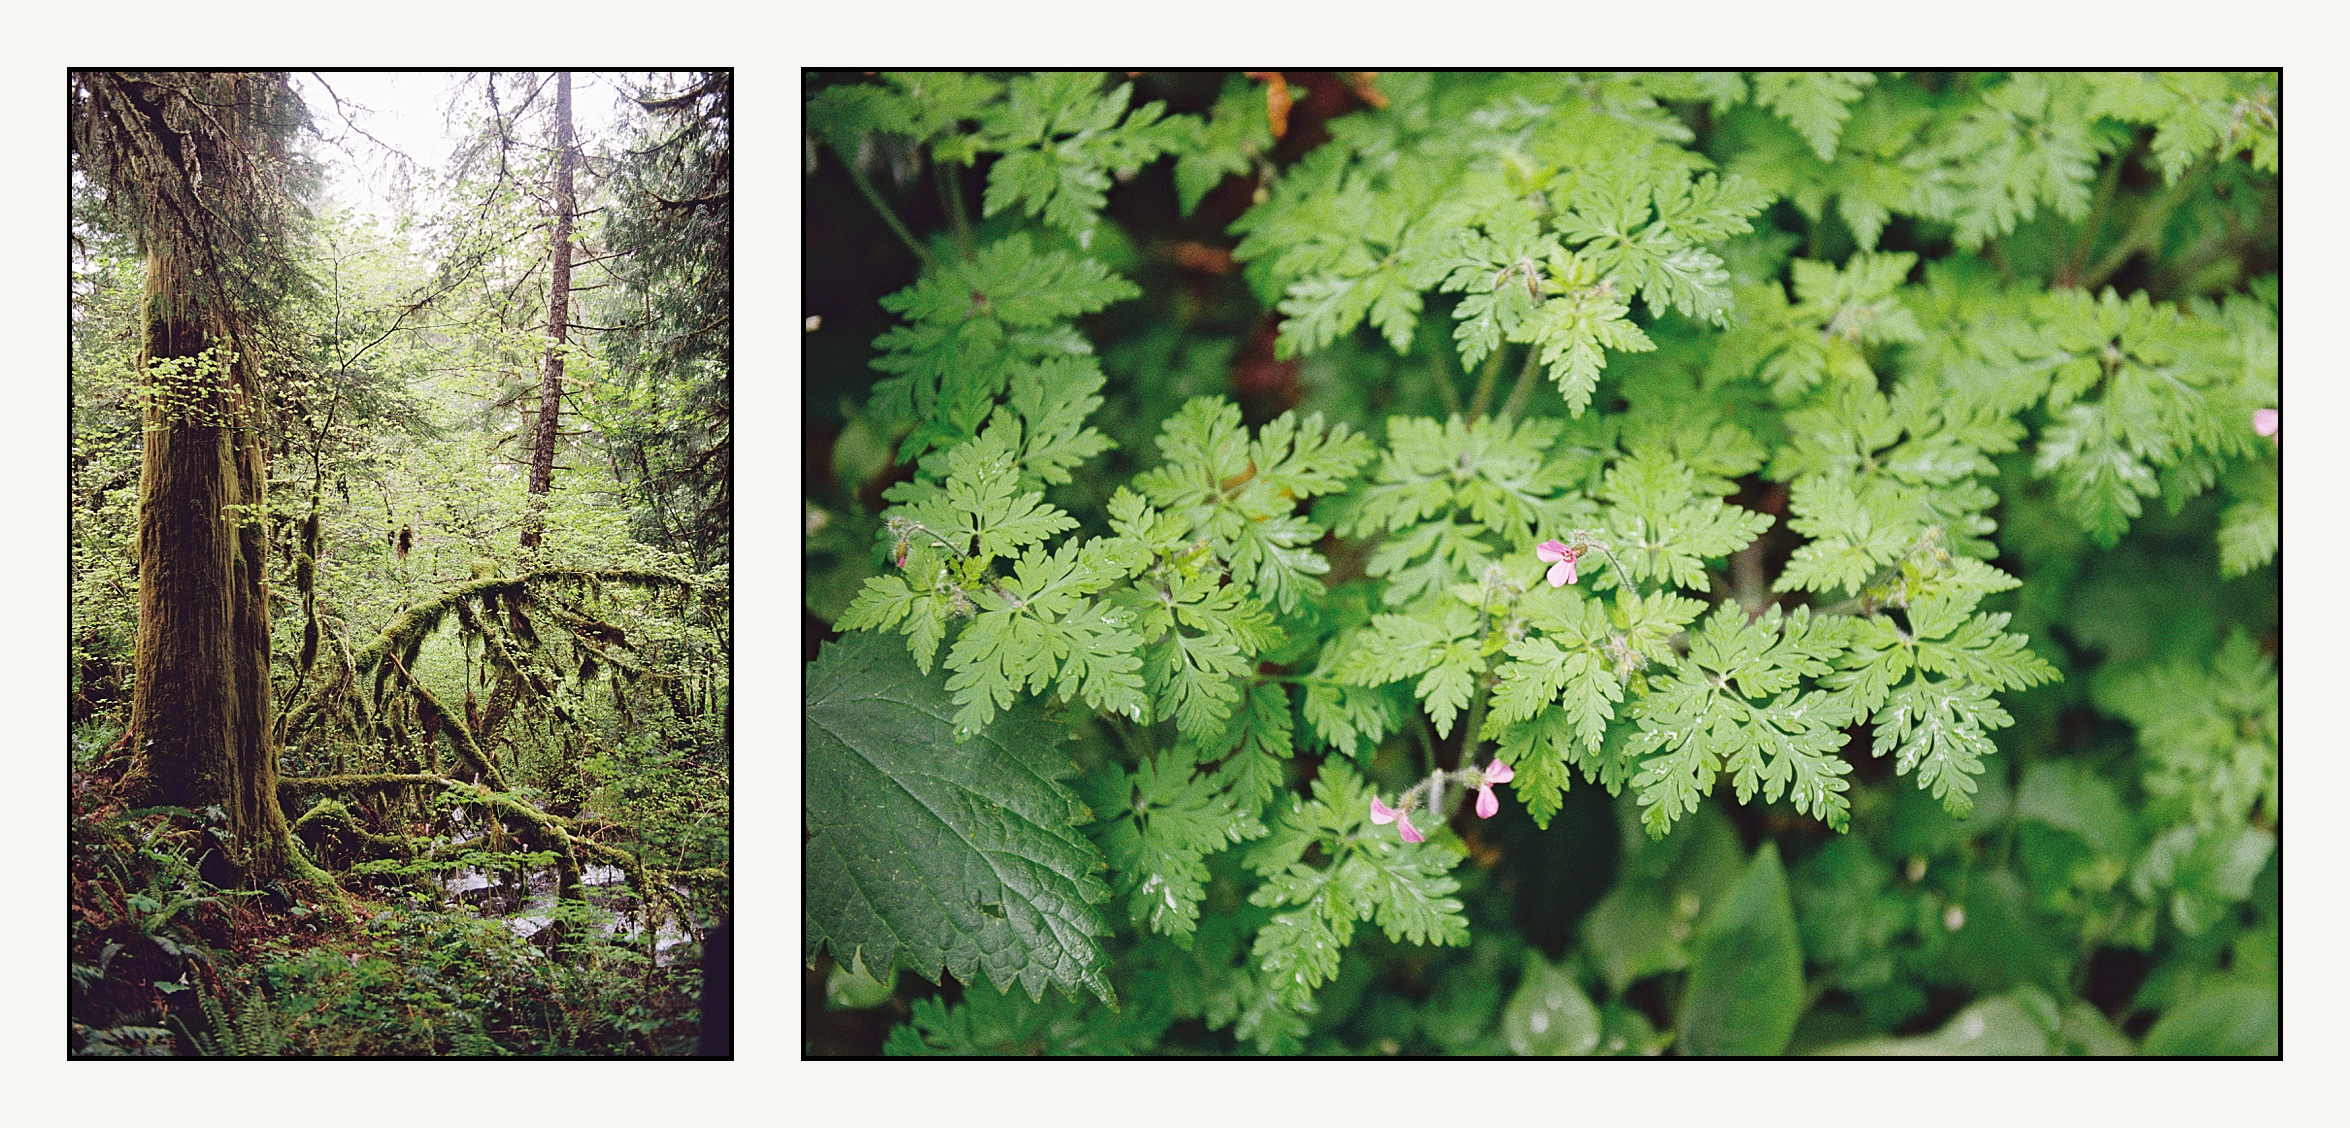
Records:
x=292, y=786
x=413, y=625
x=334, y=810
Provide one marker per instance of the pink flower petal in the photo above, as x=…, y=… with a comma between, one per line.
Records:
x=1487, y=805
x=1552, y=550
x=1381, y=813
x=1562, y=573
x=1499, y=771
x=1410, y=833
x=2264, y=421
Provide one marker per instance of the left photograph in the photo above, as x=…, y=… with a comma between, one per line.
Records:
x=400, y=515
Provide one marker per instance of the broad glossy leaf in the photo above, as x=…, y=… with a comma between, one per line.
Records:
x=1745, y=987
x=925, y=852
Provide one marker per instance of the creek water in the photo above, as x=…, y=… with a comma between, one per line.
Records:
x=614, y=909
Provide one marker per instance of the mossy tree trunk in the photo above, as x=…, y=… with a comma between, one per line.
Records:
x=201, y=710
x=542, y=453
x=197, y=165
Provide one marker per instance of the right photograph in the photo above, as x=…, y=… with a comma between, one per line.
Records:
x=1484, y=564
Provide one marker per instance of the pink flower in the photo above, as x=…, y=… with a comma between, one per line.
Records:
x=2264, y=421
x=1382, y=814
x=1562, y=573
x=1495, y=772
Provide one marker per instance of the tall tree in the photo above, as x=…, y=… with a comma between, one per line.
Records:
x=673, y=226
x=542, y=451
x=197, y=167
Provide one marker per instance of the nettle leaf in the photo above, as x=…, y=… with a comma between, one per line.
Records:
x=929, y=852
x=1708, y=718
x=1159, y=825
x=1061, y=137
x=1662, y=528
x=1814, y=102
x=987, y=1025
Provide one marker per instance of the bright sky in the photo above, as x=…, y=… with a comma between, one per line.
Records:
x=409, y=110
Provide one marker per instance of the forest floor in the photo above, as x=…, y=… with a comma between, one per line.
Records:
x=165, y=963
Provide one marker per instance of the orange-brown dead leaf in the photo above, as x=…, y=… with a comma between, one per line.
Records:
x=1203, y=258
x=1277, y=100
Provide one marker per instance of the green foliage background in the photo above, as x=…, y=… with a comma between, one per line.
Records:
x=1177, y=472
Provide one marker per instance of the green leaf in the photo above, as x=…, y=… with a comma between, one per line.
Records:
x=1663, y=888
x=2196, y=115
x=1664, y=529
x=1161, y=824
x=973, y=325
x=1745, y=987
x=1550, y=1016
x=1706, y=720
x=1061, y=137
x=988, y=1025
x=2227, y=1021
x=2003, y=1026
x=927, y=852
x=1235, y=138
x=1814, y=102
x=2210, y=730
x=2029, y=141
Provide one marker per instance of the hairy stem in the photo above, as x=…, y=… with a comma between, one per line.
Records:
x=888, y=214
x=1524, y=389
x=1451, y=395
x=2147, y=230
x=1483, y=399
x=950, y=191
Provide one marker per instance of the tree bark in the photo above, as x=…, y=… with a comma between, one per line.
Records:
x=201, y=708
x=196, y=164
x=542, y=454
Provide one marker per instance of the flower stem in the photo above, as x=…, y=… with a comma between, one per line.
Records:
x=888, y=215
x=1524, y=388
x=1483, y=400
x=2146, y=232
